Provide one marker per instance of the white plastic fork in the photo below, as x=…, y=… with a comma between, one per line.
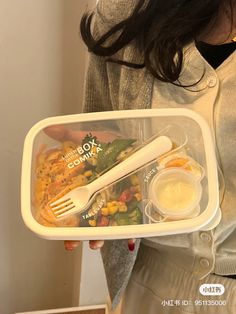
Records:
x=77, y=200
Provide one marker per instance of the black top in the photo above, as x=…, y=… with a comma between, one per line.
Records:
x=215, y=54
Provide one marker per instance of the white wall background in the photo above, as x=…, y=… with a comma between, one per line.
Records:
x=41, y=74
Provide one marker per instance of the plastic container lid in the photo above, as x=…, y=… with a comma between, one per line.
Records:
x=56, y=160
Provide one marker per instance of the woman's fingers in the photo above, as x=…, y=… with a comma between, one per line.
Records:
x=131, y=244
x=96, y=244
x=102, y=136
x=61, y=133
x=71, y=245
x=57, y=132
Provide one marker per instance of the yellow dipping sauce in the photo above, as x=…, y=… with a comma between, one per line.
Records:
x=175, y=191
x=175, y=194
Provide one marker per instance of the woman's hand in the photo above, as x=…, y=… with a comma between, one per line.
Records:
x=72, y=245
x=94, y=244
x=61, y=133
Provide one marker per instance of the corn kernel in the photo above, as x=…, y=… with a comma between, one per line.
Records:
x=88, y=173
x=134, y=179
x=105, y=211
x=138, y=196
x=92, y=222
x=113, y=210
x=94, y=150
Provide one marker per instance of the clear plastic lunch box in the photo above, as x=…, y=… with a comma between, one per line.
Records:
x=63, y=154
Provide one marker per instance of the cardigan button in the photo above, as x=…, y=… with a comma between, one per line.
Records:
x=204, y=262
x=211, y=82
x=205, y=237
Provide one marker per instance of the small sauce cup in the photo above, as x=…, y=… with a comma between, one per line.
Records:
x=175, y=193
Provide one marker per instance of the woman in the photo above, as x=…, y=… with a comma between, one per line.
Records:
x=169, y=53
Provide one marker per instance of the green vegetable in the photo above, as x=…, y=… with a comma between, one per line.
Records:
x=135, y=217
x=129, y=218
x=110, y=151
x=89, y=138
x=122, y=219
x=116, y=189
x=132, y=204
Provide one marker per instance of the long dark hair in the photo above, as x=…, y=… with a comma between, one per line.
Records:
x=161, y=29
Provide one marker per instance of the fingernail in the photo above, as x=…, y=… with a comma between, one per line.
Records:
x=70, y=245
x=96, y=245
x=131, y=246
x=93, y=247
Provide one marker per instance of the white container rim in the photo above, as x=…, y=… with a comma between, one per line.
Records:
x=120, y=232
